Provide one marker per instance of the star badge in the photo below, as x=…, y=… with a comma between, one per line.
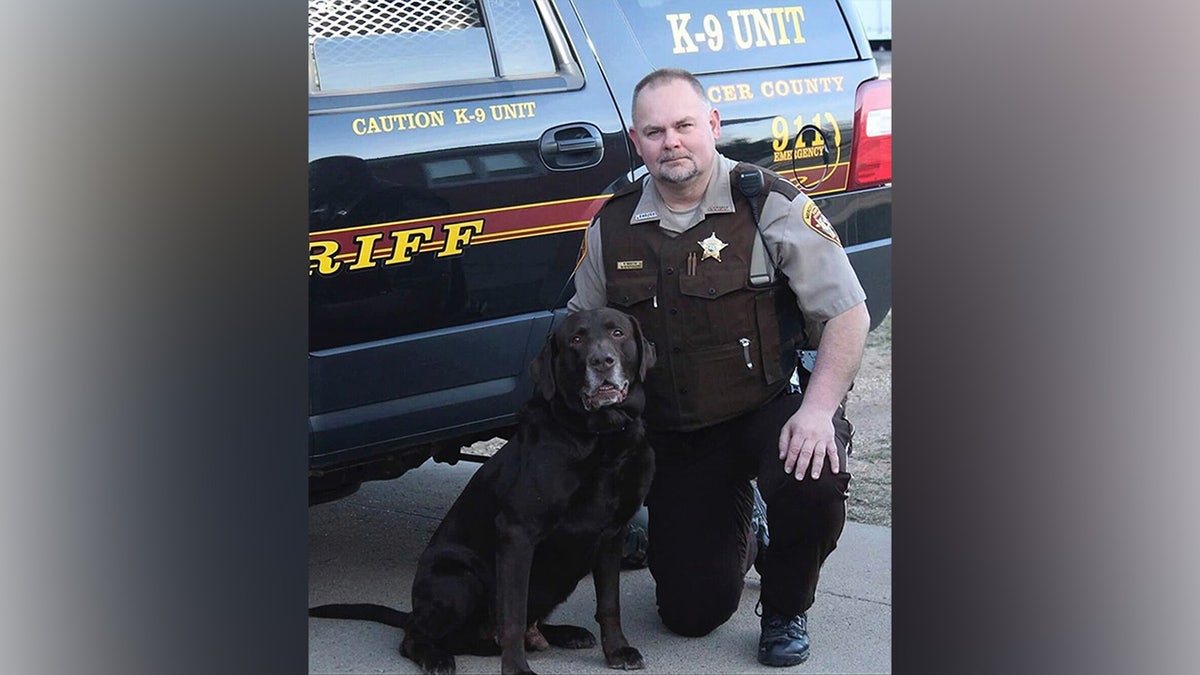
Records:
x=712, y=247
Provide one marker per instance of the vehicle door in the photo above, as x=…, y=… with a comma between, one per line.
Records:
x=457, y=151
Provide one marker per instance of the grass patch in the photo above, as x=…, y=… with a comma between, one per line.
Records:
x=882, y=335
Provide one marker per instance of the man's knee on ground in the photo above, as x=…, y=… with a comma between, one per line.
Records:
x=697, y=611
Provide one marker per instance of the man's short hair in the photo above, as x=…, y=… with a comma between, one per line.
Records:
x=664, y=75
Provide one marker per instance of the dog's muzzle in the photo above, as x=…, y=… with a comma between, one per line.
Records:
x=605, y=394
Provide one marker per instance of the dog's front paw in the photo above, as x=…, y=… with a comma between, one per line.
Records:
x=625, y=658
x=568, y=637
x=438, y=665
x=432, y=659
x=534, y=640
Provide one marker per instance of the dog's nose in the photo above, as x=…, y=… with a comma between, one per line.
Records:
x=602, y=360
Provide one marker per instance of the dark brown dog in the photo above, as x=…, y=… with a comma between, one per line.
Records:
x=548, y=508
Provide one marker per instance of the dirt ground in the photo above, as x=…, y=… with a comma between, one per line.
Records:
x=870, y=410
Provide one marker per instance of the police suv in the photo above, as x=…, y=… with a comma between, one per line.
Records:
x=458, y=150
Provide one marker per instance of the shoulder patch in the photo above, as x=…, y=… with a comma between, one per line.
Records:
x=819, y=223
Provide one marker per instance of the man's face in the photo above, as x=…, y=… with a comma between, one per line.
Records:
x=674, y=132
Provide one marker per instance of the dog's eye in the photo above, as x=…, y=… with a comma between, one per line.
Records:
x=576, y=339
x=617, y=332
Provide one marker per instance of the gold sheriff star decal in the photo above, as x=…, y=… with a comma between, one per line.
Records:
x=712, y=247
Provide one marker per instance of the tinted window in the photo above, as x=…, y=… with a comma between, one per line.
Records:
x=361, y=45
x=701, y=35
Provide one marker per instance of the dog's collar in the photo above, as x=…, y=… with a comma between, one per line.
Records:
x=569, y=419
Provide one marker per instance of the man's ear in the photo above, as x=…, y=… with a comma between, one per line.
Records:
x=541, y=369
x=636, y=140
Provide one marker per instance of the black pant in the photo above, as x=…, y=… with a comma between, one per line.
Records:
x=700, y=504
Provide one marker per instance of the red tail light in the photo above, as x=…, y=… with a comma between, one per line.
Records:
x=871, y=155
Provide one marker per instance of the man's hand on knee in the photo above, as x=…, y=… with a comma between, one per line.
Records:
x=805, y=441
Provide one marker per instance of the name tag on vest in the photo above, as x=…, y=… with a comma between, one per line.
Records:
x=629, y=264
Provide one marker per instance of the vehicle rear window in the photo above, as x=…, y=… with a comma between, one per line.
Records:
x=700, y=36
x=363, y=45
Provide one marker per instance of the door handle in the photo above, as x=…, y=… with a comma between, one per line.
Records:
x=571, y=147
x=579, y=145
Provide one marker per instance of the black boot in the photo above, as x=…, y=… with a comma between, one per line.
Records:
x=784, y=640
x=633, y=553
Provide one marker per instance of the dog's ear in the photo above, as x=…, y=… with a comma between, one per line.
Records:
x=541, y=369
x=646, y=354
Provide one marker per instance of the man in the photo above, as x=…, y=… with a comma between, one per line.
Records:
x=676, y=251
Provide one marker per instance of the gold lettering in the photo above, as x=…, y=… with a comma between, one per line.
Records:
x=404, y=121
x=742, y=41
x=763, y=30
x=777, y=12
x=425, y=119
x=460, y=116
x=458, y=236
x=712, y=30
x=796, y=14
x=797, y=154
x=408, y=242
x=730, y=92
x=366, y=249
x=320, y=257
x=683, y=40
x=511, y=111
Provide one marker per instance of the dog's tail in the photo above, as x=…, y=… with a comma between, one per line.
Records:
x=362, y=612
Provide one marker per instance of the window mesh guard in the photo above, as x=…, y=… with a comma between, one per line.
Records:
x=365, y=45
x=347, y=18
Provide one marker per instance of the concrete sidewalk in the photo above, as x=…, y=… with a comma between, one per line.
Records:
x=364, y=549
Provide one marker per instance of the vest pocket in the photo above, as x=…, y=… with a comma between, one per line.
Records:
x=712, y=285
x=627, y=291
x=718, y=384
x=715, y=315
